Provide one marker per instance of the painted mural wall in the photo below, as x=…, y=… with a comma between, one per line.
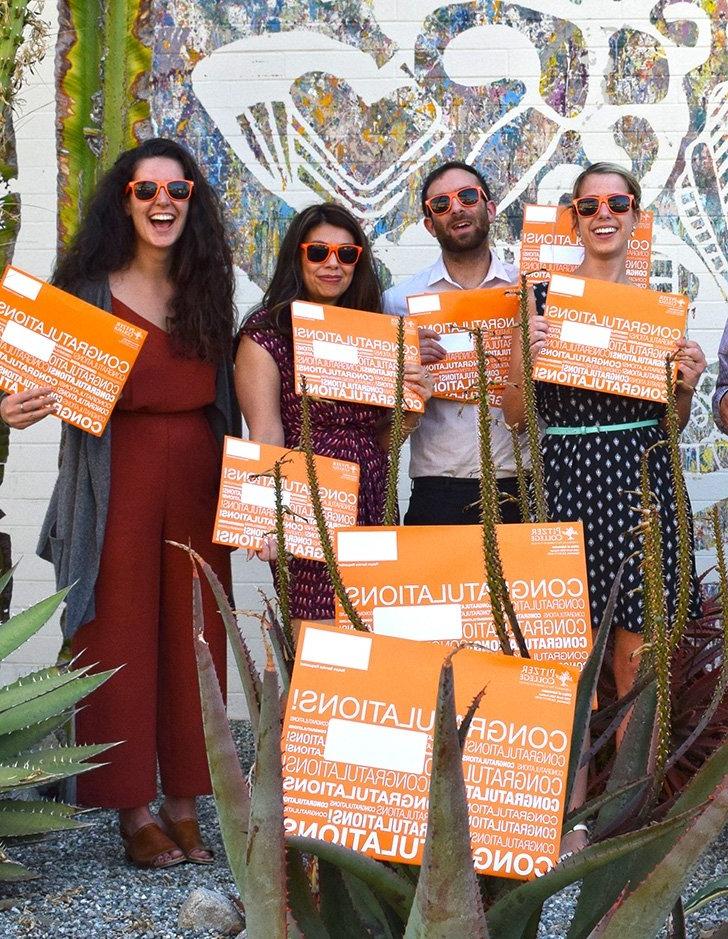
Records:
x=287, y=103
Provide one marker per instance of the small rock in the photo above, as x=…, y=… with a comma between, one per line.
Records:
x=210, y=909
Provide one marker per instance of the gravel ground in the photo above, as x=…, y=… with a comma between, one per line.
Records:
x=87, y=890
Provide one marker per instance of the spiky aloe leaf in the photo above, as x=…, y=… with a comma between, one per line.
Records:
x=646, y=907
x=53, y=702
x=510, y=915
x=712, y=891
x=103, y=63
x=337, y=909
x=228, y=784
x=588, y=681
x=36, y=684
x=25, y=624
x=17, y=777
x=36, y=817
x=300, y=898
x=396, y=433
x=56, y=759
x=6, y=576
x=590, y=808
x=600, y=893
x=447, y=901
x=388, y=885
x=377, y=921
x=12, y=871
x=265, y=863
x=249, y=677
x=20, y=740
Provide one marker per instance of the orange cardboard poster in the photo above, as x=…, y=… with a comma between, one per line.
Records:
x=357, y=748
x=246, y=504
x=610, y=337
x=350, y=355
x=427, y=582
x=48, y=337
x=550, y=243
x=455, y=314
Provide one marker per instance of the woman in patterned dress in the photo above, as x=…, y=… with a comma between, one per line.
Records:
x=324, y=258
x=591, y=475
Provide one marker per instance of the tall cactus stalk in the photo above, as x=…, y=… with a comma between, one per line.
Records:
x=318, y=512
x=656, y=621
x=684, y=543
x=524, y=503
x=500, y=600
x=396, y=432
x=104, y=60
x=283, y=579
x=540, y=513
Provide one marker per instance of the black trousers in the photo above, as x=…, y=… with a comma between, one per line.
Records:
x=447, y=500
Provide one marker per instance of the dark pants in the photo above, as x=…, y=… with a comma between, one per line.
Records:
x=447, y=500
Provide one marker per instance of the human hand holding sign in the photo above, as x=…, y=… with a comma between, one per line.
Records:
x=25, y=408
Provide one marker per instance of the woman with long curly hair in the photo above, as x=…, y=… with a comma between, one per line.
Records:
x=152, y=249
x=324, y=258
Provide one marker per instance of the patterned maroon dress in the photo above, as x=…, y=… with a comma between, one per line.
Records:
x=341, y=430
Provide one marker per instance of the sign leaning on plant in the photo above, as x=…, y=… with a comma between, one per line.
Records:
x=428, y=583
x=246, y=503
x=357, y=748
x=591, y=346
x=49, y=337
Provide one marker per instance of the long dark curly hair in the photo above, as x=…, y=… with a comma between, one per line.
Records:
x=201, y=267
x=363, y=293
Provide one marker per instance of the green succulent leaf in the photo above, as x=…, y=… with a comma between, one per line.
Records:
x=228, y=784
x=20, y=818
x=509, y=916
x=25, y=624
x=10, y=870
x=55, y=701
x=337, y=909
x=384, y=882
x=6, y=576
x=36, y=684
x=18, y=741
x=712, y=891
x=265, y=864
x=249, y=676
x=300, y=898
x=447, y=901
x=377, y=921
x=644, y=909
x=17, y=777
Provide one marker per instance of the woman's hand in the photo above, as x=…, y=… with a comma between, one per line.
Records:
x=430, y=348
x=268, y=551
x=539, y=334
x=25, y=408
x=418, y=380
x=691, y=364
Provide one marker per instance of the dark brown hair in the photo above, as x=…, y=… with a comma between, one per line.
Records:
x=363, y=293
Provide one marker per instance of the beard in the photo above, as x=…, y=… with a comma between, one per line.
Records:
x=472, y=241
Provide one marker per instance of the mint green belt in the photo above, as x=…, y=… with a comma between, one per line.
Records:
x=599, y=428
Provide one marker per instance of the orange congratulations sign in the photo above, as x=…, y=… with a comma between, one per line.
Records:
x=427, y=582
x=357, y=749
x=246, y=505
x=454, y=314
x=48, y=337
x=350, y=355
x=549, y=242
x=610, y=337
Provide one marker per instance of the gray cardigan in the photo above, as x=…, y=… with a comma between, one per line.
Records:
x=72, y=535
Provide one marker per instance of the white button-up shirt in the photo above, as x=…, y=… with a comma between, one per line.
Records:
x=446, y=442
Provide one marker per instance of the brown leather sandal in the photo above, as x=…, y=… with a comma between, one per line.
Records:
x=186, y=834
x=146, y=846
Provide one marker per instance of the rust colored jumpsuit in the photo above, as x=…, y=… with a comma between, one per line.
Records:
x=165, y=470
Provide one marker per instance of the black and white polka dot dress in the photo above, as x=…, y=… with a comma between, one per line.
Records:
x=595, y=478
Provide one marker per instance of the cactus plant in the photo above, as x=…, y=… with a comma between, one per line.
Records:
x=31, y=708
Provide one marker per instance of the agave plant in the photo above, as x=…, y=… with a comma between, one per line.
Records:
x=31, y=710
